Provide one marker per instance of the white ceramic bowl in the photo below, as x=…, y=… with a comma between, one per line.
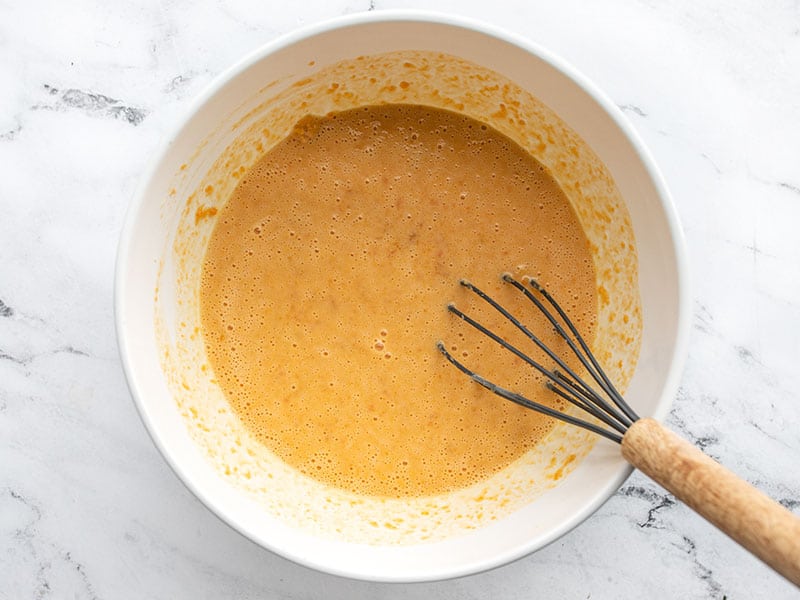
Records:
x=150, y=229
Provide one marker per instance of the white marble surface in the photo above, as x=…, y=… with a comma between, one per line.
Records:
x=88, y=509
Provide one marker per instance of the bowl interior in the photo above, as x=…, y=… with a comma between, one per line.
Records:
x=214, y=124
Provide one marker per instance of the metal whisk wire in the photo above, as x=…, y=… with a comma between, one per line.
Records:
x=614, y=412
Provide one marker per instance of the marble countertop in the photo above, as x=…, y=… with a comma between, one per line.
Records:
x=89, y=509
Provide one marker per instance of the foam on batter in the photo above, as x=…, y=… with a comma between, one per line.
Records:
x=324, y=289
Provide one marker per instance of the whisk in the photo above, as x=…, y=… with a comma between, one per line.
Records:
x=759, y=524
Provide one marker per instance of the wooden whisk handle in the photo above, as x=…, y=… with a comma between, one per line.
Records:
x=752, y=519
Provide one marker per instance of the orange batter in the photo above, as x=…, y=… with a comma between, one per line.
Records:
x=324, y=289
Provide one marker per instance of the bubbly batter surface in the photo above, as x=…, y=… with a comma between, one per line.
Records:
x=324, y=289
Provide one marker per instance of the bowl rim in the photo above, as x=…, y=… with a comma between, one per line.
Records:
x=677, y=360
